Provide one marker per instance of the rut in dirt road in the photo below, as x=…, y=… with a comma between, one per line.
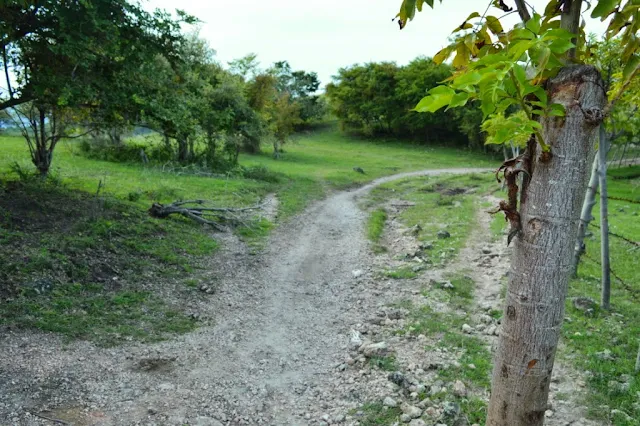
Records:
x=282, y=321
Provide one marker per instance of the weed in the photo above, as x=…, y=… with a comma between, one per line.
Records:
x=386, y=363
x=374, y=414
x=403, y=273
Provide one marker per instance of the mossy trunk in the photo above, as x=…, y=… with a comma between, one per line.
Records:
x=541, y=262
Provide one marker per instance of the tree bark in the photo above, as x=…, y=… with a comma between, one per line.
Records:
x=604, y=221
x=585, y=216
x=541, y=263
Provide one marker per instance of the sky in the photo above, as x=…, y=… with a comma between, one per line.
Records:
x=323, y=36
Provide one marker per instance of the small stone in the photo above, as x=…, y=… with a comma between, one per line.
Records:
x=431, y=412
x=447, y=285
x=583, y=304
x=398, y=378
x=389, y=402
x=605, y=355
x=466, y=328
x=434, y=389
x=206, y=421
x=374, y=349
x=444, y=234
x=459, y=389
x=411, y=410
x=486, y=319
x=451, y=409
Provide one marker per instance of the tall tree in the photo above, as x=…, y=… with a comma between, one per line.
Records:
x=565, y=105
x=73, y=54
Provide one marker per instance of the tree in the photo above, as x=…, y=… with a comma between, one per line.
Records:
x=69, y=55
x=378, y=98
x=565, y=105
x=285, y=117
x=301, y=87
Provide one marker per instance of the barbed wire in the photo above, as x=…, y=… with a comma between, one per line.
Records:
x=635, y=243
x=634, y=293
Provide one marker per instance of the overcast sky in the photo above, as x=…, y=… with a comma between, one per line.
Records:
x=325, y=35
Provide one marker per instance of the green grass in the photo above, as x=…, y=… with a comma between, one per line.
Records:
x=93, y=226
x=617, y=330
x=375, y=414
x=403, y=273
x=625, y=172
x=75, y=264
x=375, y=227
x=440, y=203
x=386, y=363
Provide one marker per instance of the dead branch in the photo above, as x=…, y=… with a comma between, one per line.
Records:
x=212, y=216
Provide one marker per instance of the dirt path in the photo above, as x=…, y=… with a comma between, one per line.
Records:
x=281, y=324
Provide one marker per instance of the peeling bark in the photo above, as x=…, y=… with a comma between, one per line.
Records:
x=541, y=262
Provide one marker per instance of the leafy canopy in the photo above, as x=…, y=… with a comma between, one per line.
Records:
x=506, y=68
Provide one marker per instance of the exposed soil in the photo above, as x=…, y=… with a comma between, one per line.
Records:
x=276, y=350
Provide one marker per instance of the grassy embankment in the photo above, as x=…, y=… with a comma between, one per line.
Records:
x=81, y=257
x=602, y=344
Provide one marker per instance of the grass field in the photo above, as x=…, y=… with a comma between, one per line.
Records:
x=79, y=251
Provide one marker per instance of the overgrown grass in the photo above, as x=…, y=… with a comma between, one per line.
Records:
x=612, y=382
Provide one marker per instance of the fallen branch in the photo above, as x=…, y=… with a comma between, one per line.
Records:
x=212, y=216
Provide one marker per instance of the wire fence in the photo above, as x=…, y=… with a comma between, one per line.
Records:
x=632, y=291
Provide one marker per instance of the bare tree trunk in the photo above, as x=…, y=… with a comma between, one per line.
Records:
x=586, y=217
x=541, y=262
x=604, y=222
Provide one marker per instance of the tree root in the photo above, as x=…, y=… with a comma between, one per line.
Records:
x=215, y=217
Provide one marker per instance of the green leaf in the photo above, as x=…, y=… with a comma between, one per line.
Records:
x=438, y=97
x=604, y=8
x=494, y=25
x=560, y=46
x=520, y=73
x=556, y=110
x=631, y=67
x=459, y=99
x=521, y=34
x=473, y=15
x=533, y=24
x=443, y=55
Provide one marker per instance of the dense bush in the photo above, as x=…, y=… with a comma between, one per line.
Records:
x=378, y=98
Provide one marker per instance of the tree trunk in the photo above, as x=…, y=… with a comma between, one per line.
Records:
x=541, y=262
x=183, y=148
x=604, y=221
x=586, y=217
